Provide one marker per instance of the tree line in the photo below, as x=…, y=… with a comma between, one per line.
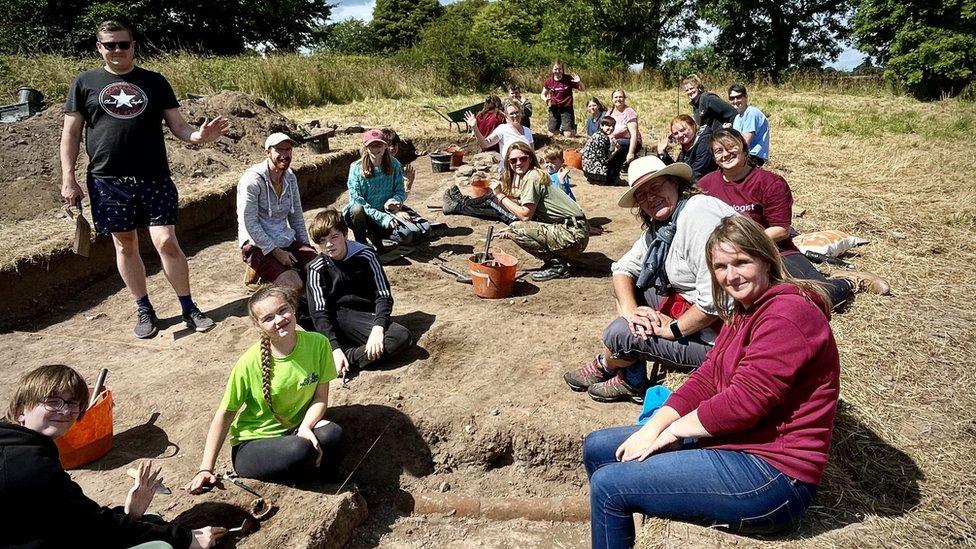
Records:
x=926, y=46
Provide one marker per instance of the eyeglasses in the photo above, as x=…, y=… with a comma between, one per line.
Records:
x=55, y=404
x=518, y=160
x=112, y=46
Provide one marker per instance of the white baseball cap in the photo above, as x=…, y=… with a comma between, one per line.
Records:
x=276, y=139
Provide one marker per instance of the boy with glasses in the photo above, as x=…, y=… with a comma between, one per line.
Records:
x=751, y=123
x=121, y=107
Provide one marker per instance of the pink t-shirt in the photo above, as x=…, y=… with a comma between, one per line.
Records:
x=763, y=196
x=622, y=118
x=561, y=91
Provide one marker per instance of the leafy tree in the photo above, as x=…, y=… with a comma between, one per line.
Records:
x=772, y=36
x=510, y=20
x=399, y=23
x=927, y=46
x=694, y=60
x=213, y=26
x=351, y=36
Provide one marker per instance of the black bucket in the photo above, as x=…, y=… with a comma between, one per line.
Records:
x=440, y=162
x=32, y=97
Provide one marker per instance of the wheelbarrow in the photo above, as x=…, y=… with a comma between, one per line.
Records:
x=456, y=118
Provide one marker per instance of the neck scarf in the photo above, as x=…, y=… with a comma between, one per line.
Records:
x=658, y=243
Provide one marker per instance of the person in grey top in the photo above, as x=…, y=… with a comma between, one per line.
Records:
x=270, y=228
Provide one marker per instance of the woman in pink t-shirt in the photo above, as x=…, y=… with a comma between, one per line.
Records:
x=625, y=132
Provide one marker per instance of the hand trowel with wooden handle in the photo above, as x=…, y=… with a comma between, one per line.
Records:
x=81, y=244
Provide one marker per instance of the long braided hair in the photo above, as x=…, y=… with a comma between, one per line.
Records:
x=267, y=362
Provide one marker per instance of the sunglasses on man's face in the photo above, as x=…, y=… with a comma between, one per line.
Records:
x=112, y=46
x=734, y=97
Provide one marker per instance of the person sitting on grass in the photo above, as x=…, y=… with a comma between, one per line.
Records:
x=552, y=157
x=275, y=402
x=766, y=198
x=515, y=95
x=751, y=123
x=694, y=145
x=550, y=225
x=270, y=227
x=376, y=193
x=349, y=297
x=743, y=443
x=409, y=172
x=662, y=287
x=42, y=507
x=597, y=151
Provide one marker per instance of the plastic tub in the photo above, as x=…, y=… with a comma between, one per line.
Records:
x=440, y=162
x=90, y=438
x=494, y=279
x=573, y=158
x=479, y=188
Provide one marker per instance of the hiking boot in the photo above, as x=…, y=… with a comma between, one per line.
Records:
x=147, y=325
x=589, y=373
x=197, y=321
x=615, y=389
x=552, y=269
x=863, y=281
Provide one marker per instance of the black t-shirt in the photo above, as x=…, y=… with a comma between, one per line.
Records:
x=712, y=110
x=123, y=120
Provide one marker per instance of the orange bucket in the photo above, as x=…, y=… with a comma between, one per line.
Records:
x=457, y=155
x=494, y=279
x=90, y=438
x=573, y=158
x=479, y=188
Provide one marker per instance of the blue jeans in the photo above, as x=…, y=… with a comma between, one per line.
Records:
x=735, y=490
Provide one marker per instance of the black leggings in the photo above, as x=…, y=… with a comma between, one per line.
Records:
x=290, y=458
x=618, y=159
x=353, y=328
x=839, y=289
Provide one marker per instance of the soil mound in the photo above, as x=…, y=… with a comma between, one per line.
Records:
x=31, y=181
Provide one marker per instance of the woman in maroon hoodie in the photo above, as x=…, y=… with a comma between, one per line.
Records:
x=743, y=443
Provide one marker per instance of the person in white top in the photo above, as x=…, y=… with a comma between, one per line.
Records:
x=662, y=285
x=510, y=132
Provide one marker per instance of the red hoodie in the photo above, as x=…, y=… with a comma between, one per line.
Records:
x=770, y=385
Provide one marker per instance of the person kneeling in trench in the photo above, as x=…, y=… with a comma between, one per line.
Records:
x=349, y=297
x=550, y=224
x=275, y=402
x=270, y=227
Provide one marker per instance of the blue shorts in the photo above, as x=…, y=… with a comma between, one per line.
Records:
x=122, y=204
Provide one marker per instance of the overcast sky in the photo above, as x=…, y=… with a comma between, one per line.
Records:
x=363, y=9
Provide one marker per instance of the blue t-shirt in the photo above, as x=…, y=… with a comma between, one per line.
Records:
x=753, y=120
x=564, y=184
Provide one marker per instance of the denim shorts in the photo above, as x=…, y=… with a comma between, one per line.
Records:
x=122, y=204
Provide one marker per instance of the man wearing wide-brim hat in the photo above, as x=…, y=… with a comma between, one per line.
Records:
x=662, y=286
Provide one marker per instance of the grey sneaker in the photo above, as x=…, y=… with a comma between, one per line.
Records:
x=589, y=373
x=147, y=325
x=197, y=321
x=615, y=389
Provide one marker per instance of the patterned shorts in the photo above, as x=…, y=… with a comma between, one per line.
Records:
x=122, y=204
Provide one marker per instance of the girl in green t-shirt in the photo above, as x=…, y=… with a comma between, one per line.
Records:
x=275, y=401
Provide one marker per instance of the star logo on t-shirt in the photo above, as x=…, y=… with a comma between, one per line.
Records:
x=123, y=100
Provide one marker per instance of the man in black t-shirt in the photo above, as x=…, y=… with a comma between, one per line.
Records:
x=121, y=108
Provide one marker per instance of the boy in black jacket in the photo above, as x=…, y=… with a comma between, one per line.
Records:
x=349, y=297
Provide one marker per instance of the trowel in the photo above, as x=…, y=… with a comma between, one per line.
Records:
x=81, y=244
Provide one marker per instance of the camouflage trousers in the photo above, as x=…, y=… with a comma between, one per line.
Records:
x=548, y=240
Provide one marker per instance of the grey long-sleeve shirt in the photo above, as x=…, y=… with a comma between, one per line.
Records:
x=265, y=219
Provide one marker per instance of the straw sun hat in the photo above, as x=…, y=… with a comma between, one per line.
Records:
x=647, y=168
